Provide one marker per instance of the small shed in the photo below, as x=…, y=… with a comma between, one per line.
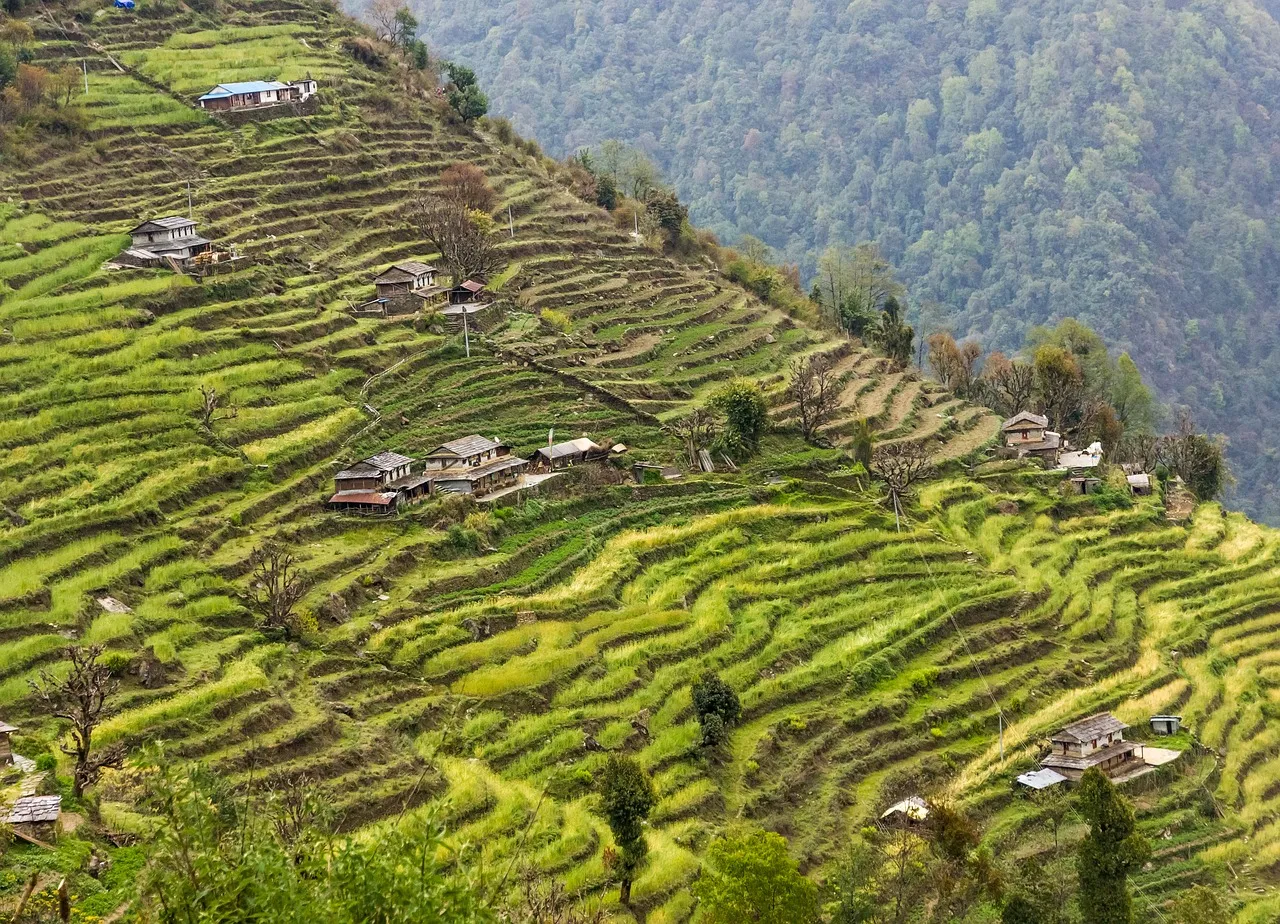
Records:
x=1166, y=724
x=35, y=816
x=473, y=290
x=1139, y=484
x=1083, y=485
x=563, y=455
x=911, y=809
x=1041, y=779
x=6, y=748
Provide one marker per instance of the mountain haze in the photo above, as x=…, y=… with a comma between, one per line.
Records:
x=1021, y=162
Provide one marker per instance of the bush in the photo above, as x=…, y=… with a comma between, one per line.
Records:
x=557, y=320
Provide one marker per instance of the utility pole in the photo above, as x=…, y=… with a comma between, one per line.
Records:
x=466, y=332
x=189, y=210
x=85, y=65
x=1000, y=712
x=511, y=222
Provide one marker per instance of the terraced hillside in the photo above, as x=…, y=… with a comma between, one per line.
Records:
x=462, y=665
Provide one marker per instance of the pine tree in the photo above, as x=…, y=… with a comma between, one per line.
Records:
x=1111, y=851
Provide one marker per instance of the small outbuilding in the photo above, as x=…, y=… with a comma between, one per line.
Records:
x=1083, y=485
x=35, y=817
x=6, y=746
x=912, y=809
x=1041, y=779
x=572, y=452
x=1139, y=484
x=1166, y=724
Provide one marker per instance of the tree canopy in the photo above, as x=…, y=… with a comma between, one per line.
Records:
x=1018, y=162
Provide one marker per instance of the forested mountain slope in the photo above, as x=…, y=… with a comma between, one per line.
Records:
x=1021, y=161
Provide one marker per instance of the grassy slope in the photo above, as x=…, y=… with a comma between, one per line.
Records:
x=840, y=633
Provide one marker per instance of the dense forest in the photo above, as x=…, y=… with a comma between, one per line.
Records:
x=1019, y=163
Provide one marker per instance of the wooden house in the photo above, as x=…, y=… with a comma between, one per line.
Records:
x=407, y=278
x=158, y=240
x=1097, y=741
x=469, y=451
x=35, y=817
x=1029, y=435
x=6, y=746
x=378, y=485
x=472, y=465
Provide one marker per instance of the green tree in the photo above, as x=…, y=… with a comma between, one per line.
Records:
x=464, y=93
x=746, y=415
x=864, y=443
x=627, y=797
x=1111, y=850
x=750, y=876
x=1200, y=905
x=716, y=706
x=892, y=335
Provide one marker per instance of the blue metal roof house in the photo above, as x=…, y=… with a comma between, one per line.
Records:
x=254, y=93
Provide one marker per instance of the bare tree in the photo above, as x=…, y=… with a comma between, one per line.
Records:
x=466, y=247
x=388, y=20
x=900, y=465
x=1010, y=384
x=813, y=388
x=277, y=589
x=955, y=364
x=696, y=430
x=546, y=901
x=210, y=403
x=466, y=183
x=81, y=698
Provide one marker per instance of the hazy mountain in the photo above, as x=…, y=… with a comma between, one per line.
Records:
x=1021, y=162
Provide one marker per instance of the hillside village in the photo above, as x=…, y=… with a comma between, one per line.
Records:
x=446, y=535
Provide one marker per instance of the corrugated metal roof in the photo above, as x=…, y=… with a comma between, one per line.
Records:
x=32, y=810
x=570, y=448
x=1041, y=779
x=472, y=286
x=7, y=729
x=223, y=90
x=913, y=807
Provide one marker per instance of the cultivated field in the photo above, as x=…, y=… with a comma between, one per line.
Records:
x=463, y=670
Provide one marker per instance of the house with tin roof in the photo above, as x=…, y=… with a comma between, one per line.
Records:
x=253, y=94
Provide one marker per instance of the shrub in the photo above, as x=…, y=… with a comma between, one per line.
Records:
x=557, y=320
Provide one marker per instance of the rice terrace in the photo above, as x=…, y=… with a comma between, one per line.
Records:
x=170, y=421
